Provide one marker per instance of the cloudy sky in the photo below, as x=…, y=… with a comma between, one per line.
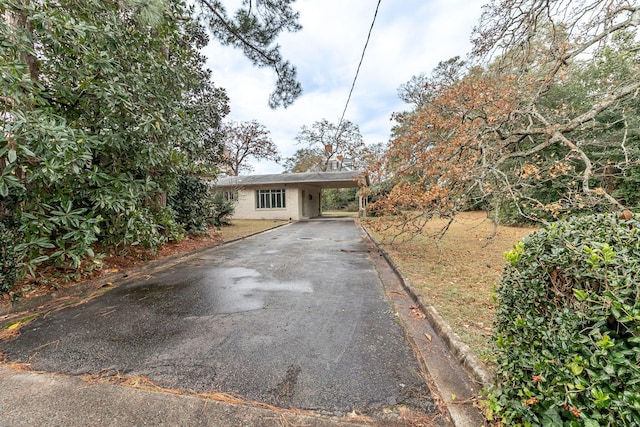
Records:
x=409, y=37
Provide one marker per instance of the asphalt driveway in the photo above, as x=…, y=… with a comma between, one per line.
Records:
x=295, y=317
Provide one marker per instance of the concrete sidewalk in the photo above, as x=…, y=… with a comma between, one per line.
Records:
x=31, y=398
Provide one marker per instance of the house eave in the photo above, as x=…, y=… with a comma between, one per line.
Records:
x=340, y=179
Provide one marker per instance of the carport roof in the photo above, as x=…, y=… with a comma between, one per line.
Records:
x=341, y=179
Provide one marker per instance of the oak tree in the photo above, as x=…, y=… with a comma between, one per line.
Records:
x=543, y=123
x=331, y=143
x=245, y=141
x=303, y=160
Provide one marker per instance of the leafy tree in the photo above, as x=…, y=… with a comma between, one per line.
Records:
x=303, y=160
x=244, y=141
x=104, y=106
x=372, y=155
x=340, y=199
x=545, y=48
x=101, y=106
x=415, y=90
x=542, y=124
x=420, y=89
x=329, y=142
x=205, y=107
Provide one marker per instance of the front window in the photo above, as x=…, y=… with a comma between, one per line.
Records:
x=270, y=199
x=230, y=196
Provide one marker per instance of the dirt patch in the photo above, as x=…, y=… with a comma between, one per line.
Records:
x=50, y=279
x=457, y=273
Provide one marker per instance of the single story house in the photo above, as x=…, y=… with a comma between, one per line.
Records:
x=288, y=196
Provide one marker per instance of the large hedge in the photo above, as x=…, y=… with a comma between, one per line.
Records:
x=109, y=103
x=568, y=326
x=197, y=206
x=8, y=257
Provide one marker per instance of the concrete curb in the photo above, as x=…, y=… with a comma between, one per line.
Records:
x=85, y=288
x=474, y=367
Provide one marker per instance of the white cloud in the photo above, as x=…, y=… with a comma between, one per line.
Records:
x=410, y=37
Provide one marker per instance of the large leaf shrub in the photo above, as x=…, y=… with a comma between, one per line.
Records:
x=9, y=257
x=103, y=104
x=223, y=210
x=197, y=206
x=568, y=326
x=192, y=203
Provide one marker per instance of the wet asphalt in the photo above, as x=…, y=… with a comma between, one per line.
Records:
x=296, y=317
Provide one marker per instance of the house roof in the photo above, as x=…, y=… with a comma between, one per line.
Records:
x=341, y=179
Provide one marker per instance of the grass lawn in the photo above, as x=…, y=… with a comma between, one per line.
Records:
x=245, y=227
x=457, y=274
x=339, y=213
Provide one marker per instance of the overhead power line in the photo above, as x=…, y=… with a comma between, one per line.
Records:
x=358, y=69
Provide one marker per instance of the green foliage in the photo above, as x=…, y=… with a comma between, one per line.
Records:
x=11, y=242
x=197, y=206
x=611, y=142
x=103, y=103
x=253, y=29
x=506, y=212
x=8, y=257
x=192, y=204
x=568, y=326
x=377, y=192
x=222, y=210
x=340, y=199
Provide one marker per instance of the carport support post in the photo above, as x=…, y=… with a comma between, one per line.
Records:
x=362, y=211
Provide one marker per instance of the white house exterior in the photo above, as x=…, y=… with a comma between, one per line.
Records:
x=290, y=196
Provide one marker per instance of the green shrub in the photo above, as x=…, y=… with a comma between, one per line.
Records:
x=8, y=256
x=222, y=210
x=340, y=199
x=568, y=326
x=12, y=250
x=197, y=206
x=192, y=203
x=507, y=212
